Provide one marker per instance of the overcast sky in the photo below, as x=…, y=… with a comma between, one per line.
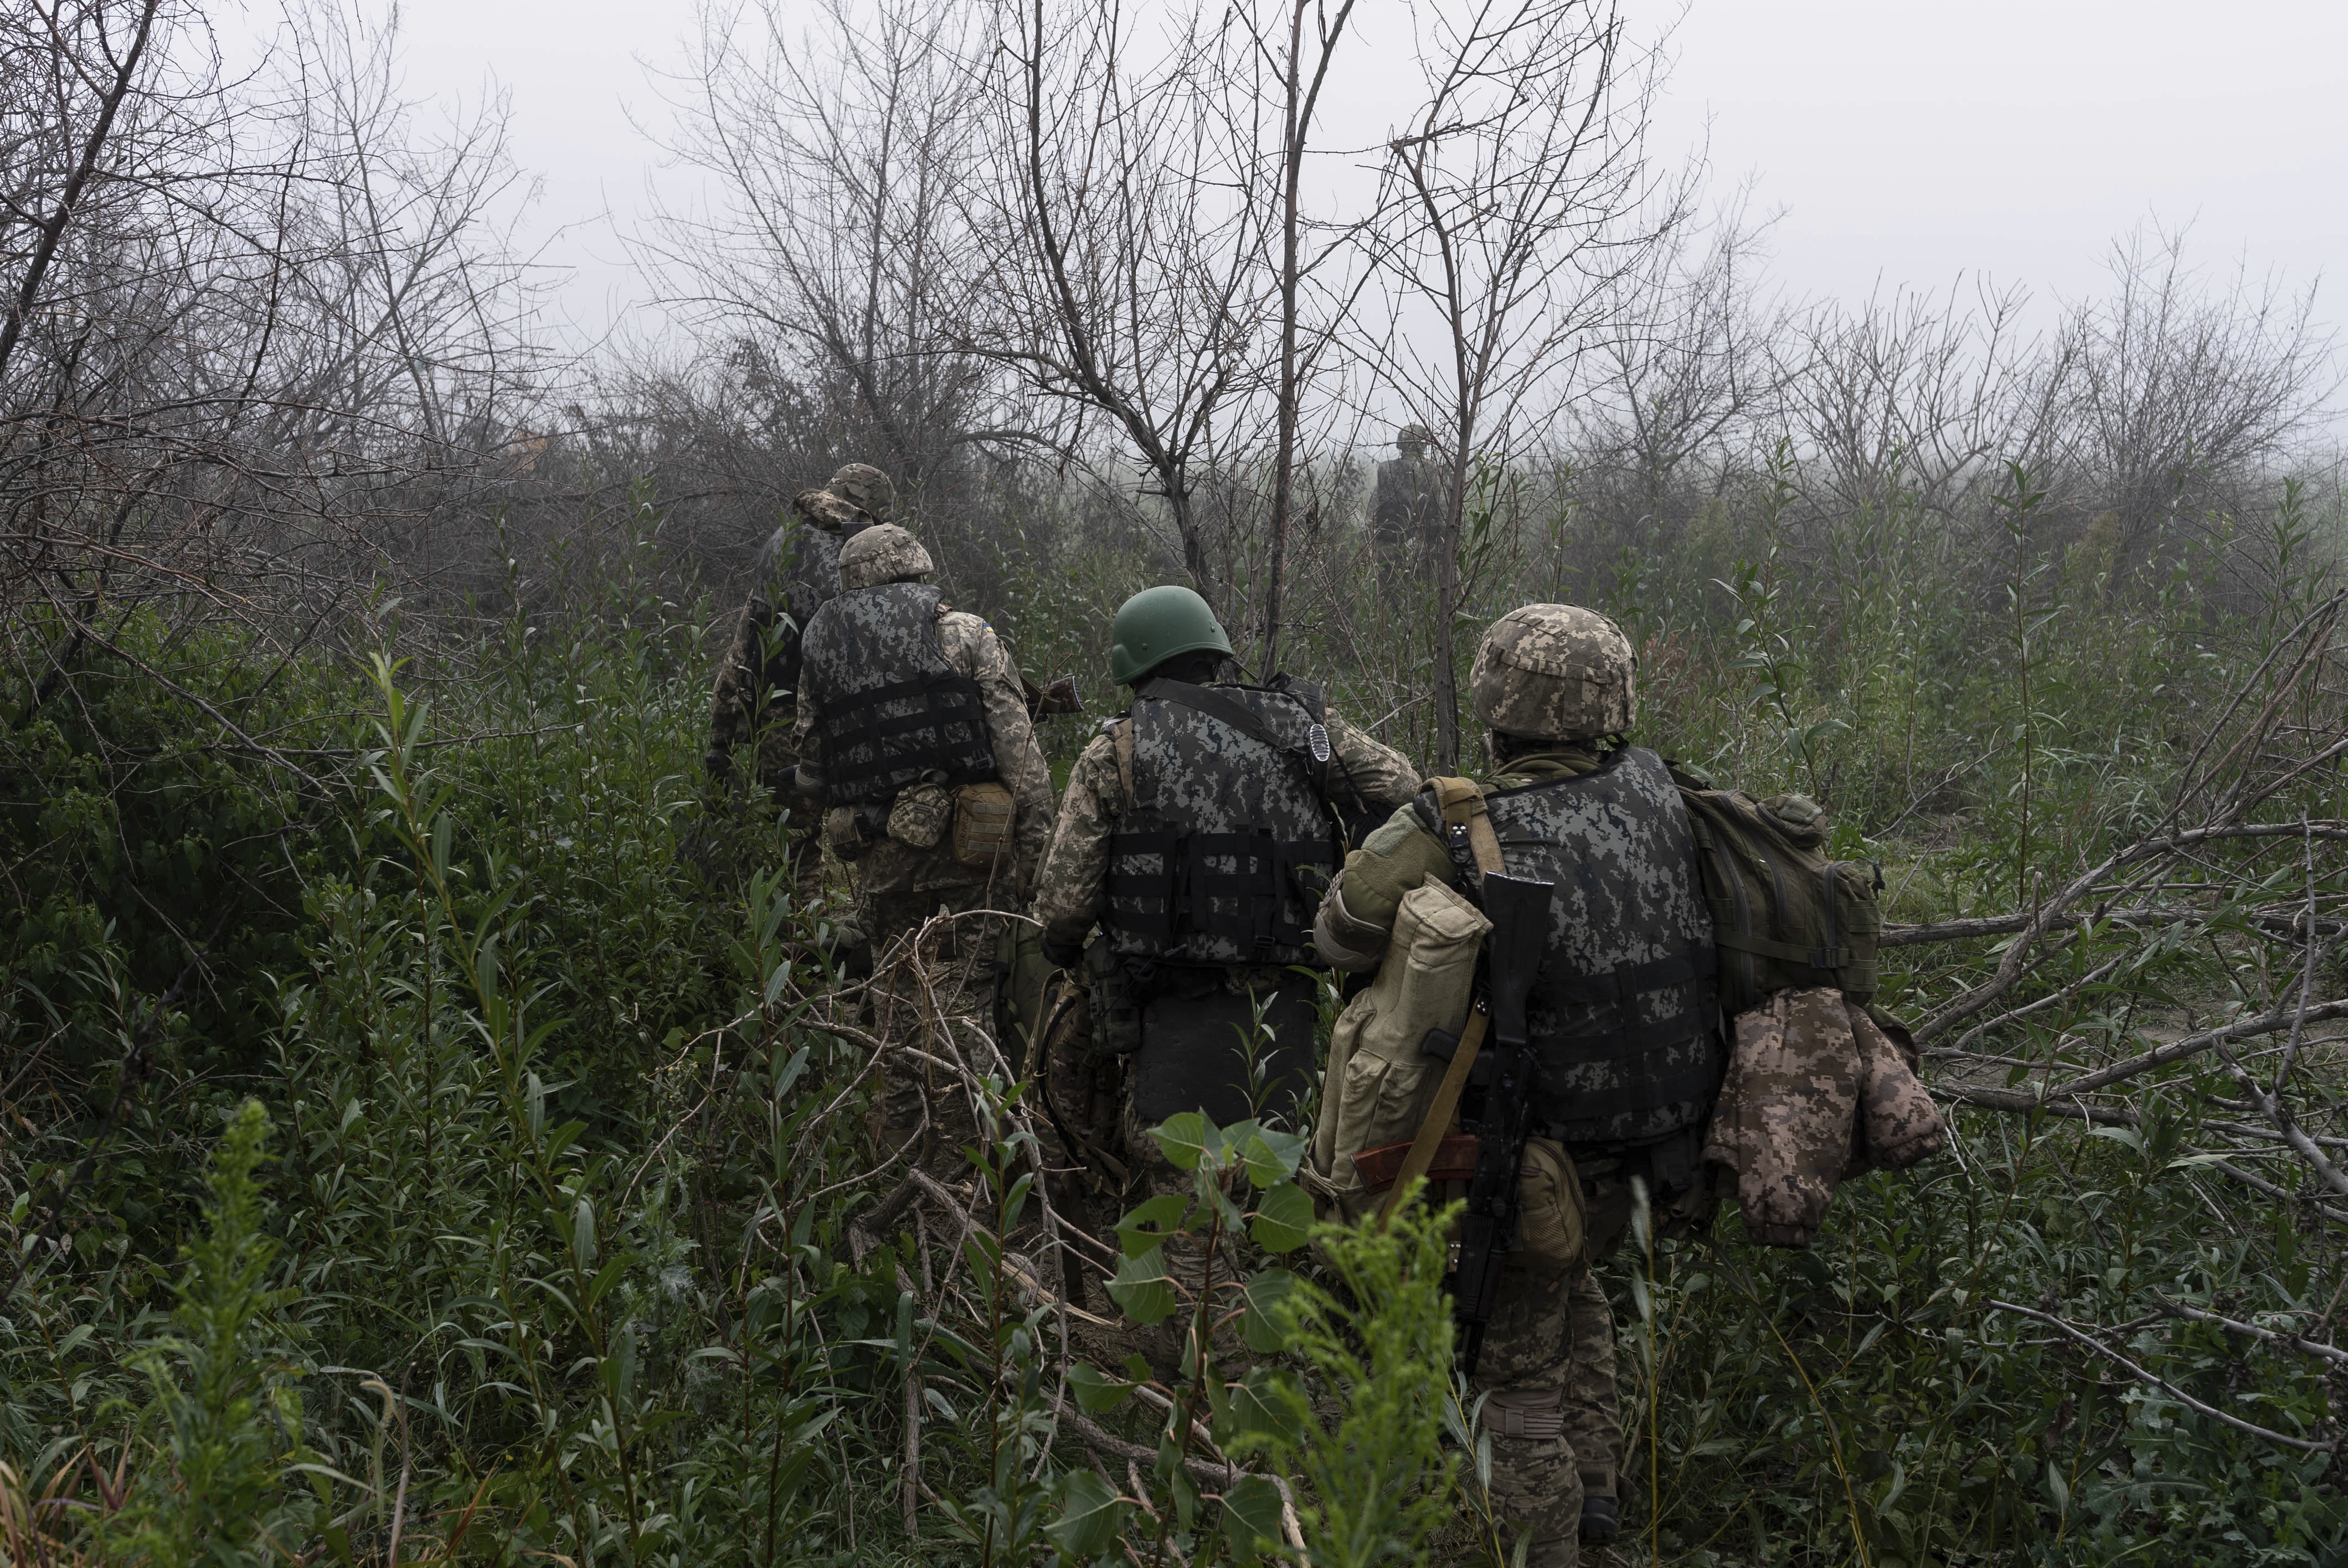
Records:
x=1904, y=142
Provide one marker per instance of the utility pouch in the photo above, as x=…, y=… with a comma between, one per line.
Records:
x=982, y=818
x=844, y=831
x=1552, y=1224
x=1380, y=1082
x=1117, y=1010
x=1552, y=1212
x=918, y=815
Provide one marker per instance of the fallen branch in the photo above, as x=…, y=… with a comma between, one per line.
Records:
x=2331, y=1353
x=2164, y=1385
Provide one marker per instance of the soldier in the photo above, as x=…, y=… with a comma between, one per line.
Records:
x=754, y=700
x=914, y=735
x=1406, y=510
x=1624, y=1021
x=1198, y=831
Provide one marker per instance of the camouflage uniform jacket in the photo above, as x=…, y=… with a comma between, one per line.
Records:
x=1070, y=893
x=887, y=864
x=754, y=697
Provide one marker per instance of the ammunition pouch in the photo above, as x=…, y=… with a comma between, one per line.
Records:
x=1117, y=1010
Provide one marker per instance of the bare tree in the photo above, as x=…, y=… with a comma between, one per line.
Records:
x=1524, y=197
x=832, y=253
x=1124, y=245
x=1685, y=375
x=1301, y=60
x=2168, y=387
x=1916, y=393
x=261, y=329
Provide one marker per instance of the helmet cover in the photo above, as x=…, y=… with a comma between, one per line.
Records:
x=883, y=553
x=1554, y=671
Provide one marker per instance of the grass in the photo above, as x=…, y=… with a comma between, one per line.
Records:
x=483, y=1195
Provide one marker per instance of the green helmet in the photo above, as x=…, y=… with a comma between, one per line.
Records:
x=1155, y=625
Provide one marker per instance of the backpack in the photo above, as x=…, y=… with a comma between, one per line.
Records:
x=1783, y=917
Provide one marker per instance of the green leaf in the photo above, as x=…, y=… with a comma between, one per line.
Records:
x=1264, y=1403
x=1090, y=1514
x=1271, y=1156
x=1096, y=1391
x=1283, y=1218
x=1184, y=1138
x=1259, y=1324
x=1151, y=1223
x=1142, y=1289
x=1251, y=1517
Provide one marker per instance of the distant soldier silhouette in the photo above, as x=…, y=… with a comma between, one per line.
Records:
x=1408, y=511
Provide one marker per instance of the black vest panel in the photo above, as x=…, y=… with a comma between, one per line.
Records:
x=1624, y=1017
x=888, y=708
x=1204, y=866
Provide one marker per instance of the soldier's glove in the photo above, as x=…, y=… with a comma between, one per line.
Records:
x=1064, y=955
x=1599, y=1518
x=717, y=765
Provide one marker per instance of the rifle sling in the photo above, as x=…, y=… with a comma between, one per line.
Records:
x=1461, y=801
x=1438, y=1115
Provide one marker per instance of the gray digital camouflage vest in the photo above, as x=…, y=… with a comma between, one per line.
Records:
x=798, y=585
x=1222, y=852
x=888, y=708
x=1624, y=1017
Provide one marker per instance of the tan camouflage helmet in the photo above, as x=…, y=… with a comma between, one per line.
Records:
x=862, y=485
x=828, y=511
x=883, y=553
x=1554, y=672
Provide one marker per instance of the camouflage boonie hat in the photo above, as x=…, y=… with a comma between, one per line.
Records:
x=1554, y=672
x=862, y=485
x=828, y=512
x=1414, y=436
x=883, y=553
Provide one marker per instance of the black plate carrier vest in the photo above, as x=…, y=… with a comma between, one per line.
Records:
x=1624, y=1017
x=888, y=708
x=1201, y=869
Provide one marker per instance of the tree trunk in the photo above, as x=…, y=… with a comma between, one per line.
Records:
x=1447, y=605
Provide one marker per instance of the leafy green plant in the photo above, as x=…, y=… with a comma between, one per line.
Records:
x=222, y=1482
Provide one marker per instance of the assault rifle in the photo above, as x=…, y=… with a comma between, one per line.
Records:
x=1499, y=1111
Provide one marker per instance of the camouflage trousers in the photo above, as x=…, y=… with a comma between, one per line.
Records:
x=1553, y=1413
x=944, y=983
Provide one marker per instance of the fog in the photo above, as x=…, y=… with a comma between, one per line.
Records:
x=1901, y=144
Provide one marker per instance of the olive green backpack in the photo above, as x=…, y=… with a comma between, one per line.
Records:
x=1783, y=917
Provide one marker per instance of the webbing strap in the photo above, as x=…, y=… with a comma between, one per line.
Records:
x=1788, y=952
x=1505, y=1415
x=1218, y=705
x=1627, y=1040
x=1187, y=889
x=1461, y=801
x=1635, y=979
x=1431, y=1131
x=1696, y=1081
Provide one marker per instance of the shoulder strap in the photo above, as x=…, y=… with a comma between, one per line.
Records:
x=1120, y=740
x=1215, y=705
x=1461, y=801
